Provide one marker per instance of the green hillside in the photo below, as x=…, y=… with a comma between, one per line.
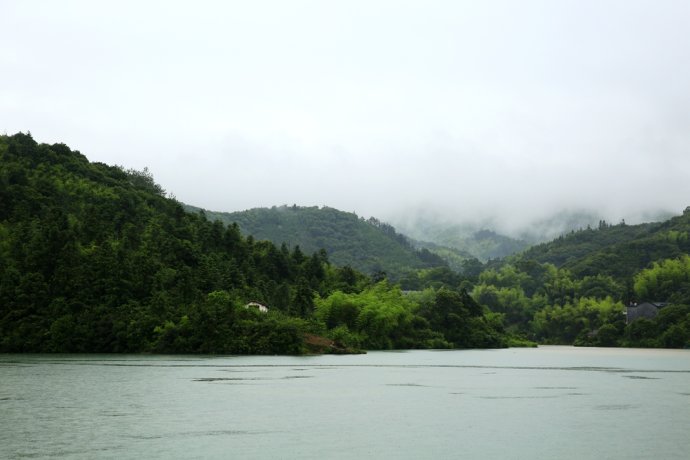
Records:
x=369, y=245
x=96, y=258
x=455, y=258
x=575, y=289
x=616, y=250
x=482, y=244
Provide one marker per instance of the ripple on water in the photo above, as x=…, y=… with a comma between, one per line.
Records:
x=615, y=407
x=196, y=434
x=519, y=397
x=640, y=377
x=406, y=385
x=555, y=388
x=62, y=452
x=245, y=379
x=116, y=414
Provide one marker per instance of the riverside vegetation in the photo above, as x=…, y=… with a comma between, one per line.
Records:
x=96, y=258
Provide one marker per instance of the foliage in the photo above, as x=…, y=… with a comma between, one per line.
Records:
x=367, y=245
x=458, y=242
x=95, y=258
x=551, y=305
x=455, y=258
x=618, y=251
x=573, y=289
x=564, y=324
x=380, y=317
x=462, y=321
x=664, y=280
x=431, y=277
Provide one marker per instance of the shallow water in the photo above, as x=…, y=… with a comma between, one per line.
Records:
x=545, y=403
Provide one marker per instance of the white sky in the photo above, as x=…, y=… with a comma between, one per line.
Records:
x=515, y=109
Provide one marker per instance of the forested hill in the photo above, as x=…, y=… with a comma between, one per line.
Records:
x=616, y=250
x=470, y=240
x=575, y=289
x=95, y=258
x=369, y=245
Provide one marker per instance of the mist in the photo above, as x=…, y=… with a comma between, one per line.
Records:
x=494, y=113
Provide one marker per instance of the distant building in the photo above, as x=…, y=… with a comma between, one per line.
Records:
x=644, y=310
x=259, y=306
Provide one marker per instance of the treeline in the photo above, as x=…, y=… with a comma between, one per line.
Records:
x=618, y=251
x=367, y=245
x=574, y=290
x=452, y=240
x=95, y=258
x=382, y=317
x=553, y=306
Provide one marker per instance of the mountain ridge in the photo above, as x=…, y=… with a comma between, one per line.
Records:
x=368, y=245
x=617, y=250
x=96, y=258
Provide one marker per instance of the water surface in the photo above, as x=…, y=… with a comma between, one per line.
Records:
x=545, y=403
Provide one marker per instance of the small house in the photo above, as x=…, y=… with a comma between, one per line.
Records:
x=647, y=310
x=259, y=306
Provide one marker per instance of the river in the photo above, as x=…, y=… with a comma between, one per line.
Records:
x=543, y=403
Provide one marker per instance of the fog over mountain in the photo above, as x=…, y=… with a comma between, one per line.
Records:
x=431, y=225
x=502, y=114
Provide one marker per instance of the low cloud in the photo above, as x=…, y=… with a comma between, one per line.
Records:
x=491, y=112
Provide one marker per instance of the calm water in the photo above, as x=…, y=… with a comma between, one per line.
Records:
x=546, y=403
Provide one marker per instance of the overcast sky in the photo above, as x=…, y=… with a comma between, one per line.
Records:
x=469, y=108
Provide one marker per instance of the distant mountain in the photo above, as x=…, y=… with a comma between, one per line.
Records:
x=453, y=257
x=95, y=258
x=616, y=250
x=368, y=245
x=467, y=240
x=573, y=290
x=548, y=228
x=561, y=223
x=485, y=240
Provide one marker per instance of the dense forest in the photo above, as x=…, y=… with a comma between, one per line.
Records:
x=367, y=245
x=575, y=289
x=96, y=258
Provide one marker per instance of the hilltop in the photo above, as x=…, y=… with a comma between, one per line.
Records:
x=367, y=245
x=464, y=240
x=575, y=289
x=617, y=250
x=98, y=258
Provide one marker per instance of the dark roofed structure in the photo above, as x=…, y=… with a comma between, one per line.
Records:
x=644, y=310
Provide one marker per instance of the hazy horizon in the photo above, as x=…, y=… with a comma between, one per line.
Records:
x=501, y=112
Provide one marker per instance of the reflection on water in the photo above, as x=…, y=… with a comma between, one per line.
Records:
x=551, y=402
